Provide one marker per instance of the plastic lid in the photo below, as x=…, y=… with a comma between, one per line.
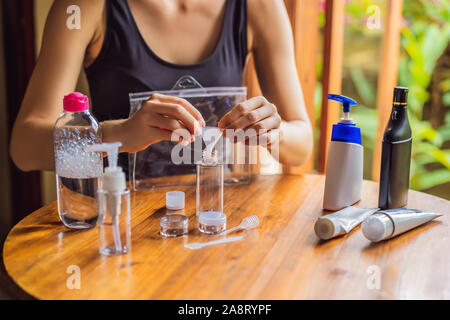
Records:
x=326, y=229
x=175, y=200
x=212, y=218
x=377, y=227
x=400, y=95
x=76, y=102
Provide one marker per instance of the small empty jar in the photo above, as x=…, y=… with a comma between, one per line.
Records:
x=174, y=225
x=212, y=222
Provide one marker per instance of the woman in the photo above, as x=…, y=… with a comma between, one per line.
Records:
x=142, y=45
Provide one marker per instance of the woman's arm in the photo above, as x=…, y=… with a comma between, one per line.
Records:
x=271, y=42
x=62, y=55
x=55, y=75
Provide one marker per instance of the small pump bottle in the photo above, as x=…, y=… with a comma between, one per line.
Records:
x=344, y=173
x=113, y=203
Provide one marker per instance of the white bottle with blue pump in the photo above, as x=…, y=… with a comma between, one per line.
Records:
x=344, y=173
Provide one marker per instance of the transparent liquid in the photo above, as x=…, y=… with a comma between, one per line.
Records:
x=78, y=175
x=76, y=201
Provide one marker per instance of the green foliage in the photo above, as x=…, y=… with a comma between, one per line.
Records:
x=425, y=37
x=424, y=41
x=365, y=89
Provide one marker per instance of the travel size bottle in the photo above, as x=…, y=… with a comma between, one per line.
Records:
x=209, y=194
x=396, y=155
x=344, y=173
x=113, y=203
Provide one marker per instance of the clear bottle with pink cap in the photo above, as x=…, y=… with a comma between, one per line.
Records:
x=78, y=171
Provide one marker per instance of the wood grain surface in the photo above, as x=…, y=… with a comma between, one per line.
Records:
x=281, y=259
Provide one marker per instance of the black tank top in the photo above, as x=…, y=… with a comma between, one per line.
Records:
x=127, y=64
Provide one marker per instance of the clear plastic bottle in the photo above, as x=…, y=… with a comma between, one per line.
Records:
x=78, y=171
x=209, y=195
x=113, y=200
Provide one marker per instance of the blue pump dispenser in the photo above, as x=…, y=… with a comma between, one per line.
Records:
x=346, y=130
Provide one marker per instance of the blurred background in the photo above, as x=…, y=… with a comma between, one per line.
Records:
x=423, y=66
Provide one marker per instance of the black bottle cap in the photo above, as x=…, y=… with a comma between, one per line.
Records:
x=400, y=95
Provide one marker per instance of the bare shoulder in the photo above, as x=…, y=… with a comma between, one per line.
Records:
x=261, y=10
x=76, y=24
x=88, y=10
x=84, y=16
x=267, y=19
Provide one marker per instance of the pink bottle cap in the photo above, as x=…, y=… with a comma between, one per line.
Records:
x=76, y=102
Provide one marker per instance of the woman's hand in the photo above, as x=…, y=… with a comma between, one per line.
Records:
x=257, y=114
x=160, y=118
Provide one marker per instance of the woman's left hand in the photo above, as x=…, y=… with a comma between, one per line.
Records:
x=257, y=114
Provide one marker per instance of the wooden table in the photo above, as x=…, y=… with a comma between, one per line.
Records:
x=281, y=259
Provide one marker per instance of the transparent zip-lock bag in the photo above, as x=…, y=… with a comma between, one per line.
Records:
x=167, y=164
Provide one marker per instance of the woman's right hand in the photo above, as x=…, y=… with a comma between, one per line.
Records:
x=160, y=118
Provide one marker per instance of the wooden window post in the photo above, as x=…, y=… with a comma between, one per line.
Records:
x=387, y=76
x=332, y=73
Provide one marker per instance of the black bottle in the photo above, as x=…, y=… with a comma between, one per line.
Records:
x=396, y=155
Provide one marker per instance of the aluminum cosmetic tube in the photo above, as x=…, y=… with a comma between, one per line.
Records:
x=387, y=224
x=341, y=222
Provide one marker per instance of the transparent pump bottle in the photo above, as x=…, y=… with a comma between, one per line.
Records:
x=77, y=171
x=113, y=202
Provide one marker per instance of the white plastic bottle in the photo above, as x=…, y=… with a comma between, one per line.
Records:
x=344, y=172
x=77, y=171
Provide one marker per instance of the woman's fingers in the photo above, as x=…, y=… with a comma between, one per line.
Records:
x=266, y=138
x=171, y=125
x=262, y=127
x=184, y=103
x=174, y=111
x=251, y=121
x=180, y=136
x=241, y=110
x=272, y=122
x=253, y=117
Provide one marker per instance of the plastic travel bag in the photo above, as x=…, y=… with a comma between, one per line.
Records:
x=166, y=163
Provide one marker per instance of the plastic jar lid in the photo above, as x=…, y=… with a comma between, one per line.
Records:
x=212, y=218
x=175, y=200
